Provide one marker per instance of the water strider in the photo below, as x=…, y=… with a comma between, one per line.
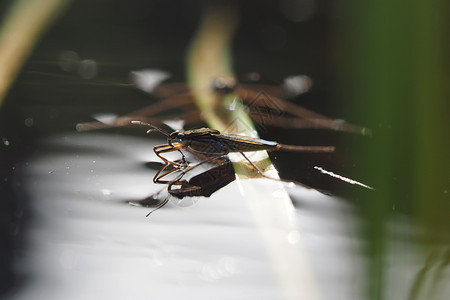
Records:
x=264, y=105
x=209, y=145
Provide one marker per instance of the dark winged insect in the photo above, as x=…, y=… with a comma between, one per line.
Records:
x=264, y=105
x=210, y=146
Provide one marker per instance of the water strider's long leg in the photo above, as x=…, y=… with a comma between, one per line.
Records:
x=177, y=181
x=256, y=167
x=158, y=177
x=148, y=113
x=169, y=148
x=250, y=97
x=295, y=122
x=304, y=118
x=177, y=166
x=184, y=171
x=271, y=178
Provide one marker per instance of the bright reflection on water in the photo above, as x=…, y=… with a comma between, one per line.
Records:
x=85, y=242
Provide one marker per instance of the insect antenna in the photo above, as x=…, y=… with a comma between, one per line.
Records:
x=152, y=127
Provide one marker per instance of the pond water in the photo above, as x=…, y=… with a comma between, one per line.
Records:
x=84, y=241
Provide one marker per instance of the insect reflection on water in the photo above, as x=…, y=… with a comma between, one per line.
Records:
x=189, y=191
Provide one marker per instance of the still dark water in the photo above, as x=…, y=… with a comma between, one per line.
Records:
x=66, y=229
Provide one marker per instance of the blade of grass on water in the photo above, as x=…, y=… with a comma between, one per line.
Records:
x=209, y=57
